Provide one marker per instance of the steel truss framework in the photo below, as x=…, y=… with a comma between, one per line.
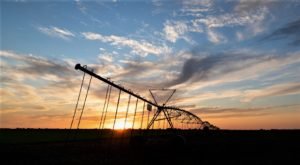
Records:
x=173, y=115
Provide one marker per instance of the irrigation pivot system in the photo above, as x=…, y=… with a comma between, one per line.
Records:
x=150, y=115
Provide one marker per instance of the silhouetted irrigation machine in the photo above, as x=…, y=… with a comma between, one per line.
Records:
x=157, y=116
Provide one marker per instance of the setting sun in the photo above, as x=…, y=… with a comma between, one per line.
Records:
x=119, y=125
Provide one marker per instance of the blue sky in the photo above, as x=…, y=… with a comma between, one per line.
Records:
x=234, y=63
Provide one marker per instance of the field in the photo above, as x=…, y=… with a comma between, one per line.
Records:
x=59, y=146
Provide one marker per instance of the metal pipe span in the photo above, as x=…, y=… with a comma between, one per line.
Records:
x=78, y=66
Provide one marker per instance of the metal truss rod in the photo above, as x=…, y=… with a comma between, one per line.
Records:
x=143, y=116
x=170, y=96
x=154, y=117
x=77, y=100
x=158, y=121
x=148, y=117
x=128, y=104
x=104, y=106
x=168, y=118
x=87, y=92
x=117, y=109
x=136, y=104
x=153, y=97
x=103, y=122
x=184, y=112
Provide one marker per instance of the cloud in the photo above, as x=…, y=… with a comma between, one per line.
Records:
x=36, y=85
x=234, y=19
x=200, y=97
x=215, y=37
x=204, y=3
x=106, y=57
x=139, y=73
x=219, y=112
x=138, y=66
x=212, y=67
x=174, y=30
x=205, y=16
x=194, y=7
x=240, y=36
x=275, y=90
x=290, y=31
x=248, y=5
x=36, y=75
x=81, y=6
x=203, y=67
x=241, y=95
x=36, y=66
x=56, y=32
x=51, y=101
x=202, y=19
x=141, y=48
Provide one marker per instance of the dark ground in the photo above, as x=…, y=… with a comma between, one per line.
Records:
x=48, y=146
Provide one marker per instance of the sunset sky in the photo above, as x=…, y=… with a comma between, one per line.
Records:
x=234, y=63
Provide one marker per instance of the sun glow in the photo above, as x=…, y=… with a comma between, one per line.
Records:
x=119, y=125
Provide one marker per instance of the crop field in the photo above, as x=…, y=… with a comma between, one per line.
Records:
x=59, y=146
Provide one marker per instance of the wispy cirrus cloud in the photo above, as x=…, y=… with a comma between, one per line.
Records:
x=219, y=112
x=212, y=67
x=241, y=95
x=56, y=32
x=36, y=85
x=215, y=37
x=202, y=21
x=246, y=5
x=195, y=7
x=176, y=30
x=173, y=31
x=275, y=90
x=36, y=77
x=106, y=57
x=142, y=48
x=253, y=20
x=234, y=19
x=81, y=6
x=290, y=31
x=36, y=66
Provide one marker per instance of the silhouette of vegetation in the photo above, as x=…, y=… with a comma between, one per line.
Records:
x=59, y=146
